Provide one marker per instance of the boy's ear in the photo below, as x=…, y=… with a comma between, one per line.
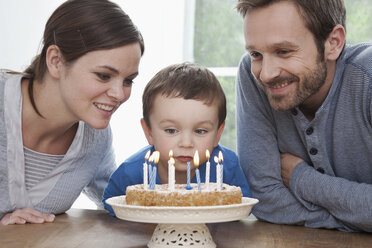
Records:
x=335, y=43
x=219, y=133
x=54, y=61
x=147, y=130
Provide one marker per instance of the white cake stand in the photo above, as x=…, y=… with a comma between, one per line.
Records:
x=181, y=226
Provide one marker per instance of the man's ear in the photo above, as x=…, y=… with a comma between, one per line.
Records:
x=54, y=61
x=219, y=133
x=334, y=43
x=147, y=130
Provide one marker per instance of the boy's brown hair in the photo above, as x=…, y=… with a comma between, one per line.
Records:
x=188, y=81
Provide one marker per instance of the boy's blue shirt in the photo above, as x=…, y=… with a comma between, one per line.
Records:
x=130, y=172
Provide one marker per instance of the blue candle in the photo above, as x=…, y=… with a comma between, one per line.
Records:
x=220, y=160
x=188, y=186
x=154, y=169
x=198, y=178
x=196, y=164
x=151, y=159
x=150, y=174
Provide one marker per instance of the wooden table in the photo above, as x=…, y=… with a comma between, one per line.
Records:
x=93, y=228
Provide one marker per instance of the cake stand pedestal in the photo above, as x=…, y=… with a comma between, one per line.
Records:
x=181, y=226
x=181, y=235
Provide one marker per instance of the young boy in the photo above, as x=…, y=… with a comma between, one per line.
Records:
x=184, y=110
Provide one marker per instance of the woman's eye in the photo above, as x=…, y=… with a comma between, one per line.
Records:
x=201, y=131
x=128, y=82
x=103, y=76
x=170, y=130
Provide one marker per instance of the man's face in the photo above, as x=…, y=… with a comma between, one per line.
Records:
x=285, y=59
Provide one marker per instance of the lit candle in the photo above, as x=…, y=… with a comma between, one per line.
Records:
x=171, y=172
x=151, y=159
x=207, y=170
x=196, y=163
x=220, y=160
x=154, y=169
x=145, y=171
x=218, y=173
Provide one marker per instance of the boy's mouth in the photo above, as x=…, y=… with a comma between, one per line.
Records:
x=184, y=159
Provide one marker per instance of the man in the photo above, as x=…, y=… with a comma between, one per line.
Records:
x=304, y=107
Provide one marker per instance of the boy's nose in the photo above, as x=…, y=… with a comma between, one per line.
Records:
x=186, y=141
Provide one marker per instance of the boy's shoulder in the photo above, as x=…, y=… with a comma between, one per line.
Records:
x=229, y=156
x=136, y=159
x=139, y=156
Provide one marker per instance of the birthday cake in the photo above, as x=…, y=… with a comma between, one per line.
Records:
x=180, y=196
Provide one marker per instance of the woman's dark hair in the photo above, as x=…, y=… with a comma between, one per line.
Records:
x=81, y=26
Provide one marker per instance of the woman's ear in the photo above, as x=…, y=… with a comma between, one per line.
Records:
x=219, y=133
x=54, y=61
x=147, y=130
x=334, y=43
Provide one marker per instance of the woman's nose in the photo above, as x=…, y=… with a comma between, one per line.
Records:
x=119, y=92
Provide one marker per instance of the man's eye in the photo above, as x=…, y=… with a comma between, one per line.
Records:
x=170, y=130
x=103, y=76
x=283, y=52
x=201, y=131
x=255, y=55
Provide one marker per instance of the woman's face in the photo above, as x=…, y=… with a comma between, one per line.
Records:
x=95, y=85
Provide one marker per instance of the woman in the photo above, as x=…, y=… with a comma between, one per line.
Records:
x=55, y=139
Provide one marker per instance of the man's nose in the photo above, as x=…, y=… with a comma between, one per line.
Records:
x=269, y=70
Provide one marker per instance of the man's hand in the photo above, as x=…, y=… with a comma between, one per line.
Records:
x=22, y=216
x=288, y=163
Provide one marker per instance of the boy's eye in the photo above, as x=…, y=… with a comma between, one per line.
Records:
x=201, y=131
x=170, y=130
x=103, y=76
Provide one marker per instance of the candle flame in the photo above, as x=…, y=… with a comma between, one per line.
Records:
x=156, y=156
x=170, y=153
x=151, y=158
x=220, y=157
x=196, y=159
x=147, y=154
x=207, y=154
x=216, y=159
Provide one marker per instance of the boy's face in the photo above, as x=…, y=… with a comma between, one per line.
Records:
x=183, y=126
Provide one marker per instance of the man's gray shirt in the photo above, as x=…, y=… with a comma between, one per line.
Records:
x=333, y=187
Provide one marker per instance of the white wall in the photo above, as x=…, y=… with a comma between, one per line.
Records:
x=161, y=23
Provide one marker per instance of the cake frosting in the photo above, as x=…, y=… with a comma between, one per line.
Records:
x=162, y=196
